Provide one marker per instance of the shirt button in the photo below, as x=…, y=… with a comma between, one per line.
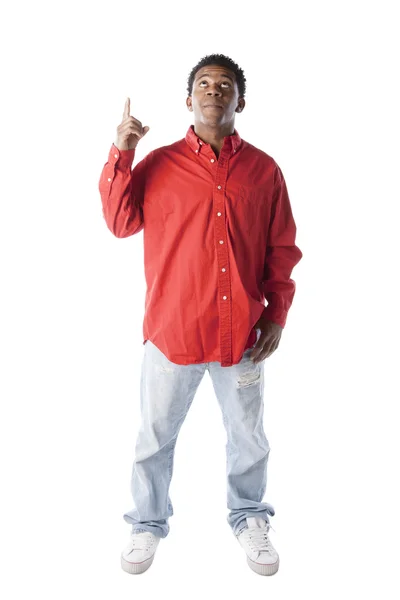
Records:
x=115, y=155
x=223, y=269
x=224, y=297
x=201, y=143
x=221, y=241
x=219, y=214
x=109, y=179
x=196, y=150
x=219, y=187
x=211, y=160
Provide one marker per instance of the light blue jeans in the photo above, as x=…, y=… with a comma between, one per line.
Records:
x=166, y=393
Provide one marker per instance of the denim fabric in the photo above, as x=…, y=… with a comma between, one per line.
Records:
x=166, y=393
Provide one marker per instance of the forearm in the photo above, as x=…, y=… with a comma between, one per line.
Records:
x=278, y=287
x=121, y=191
x=282, y=254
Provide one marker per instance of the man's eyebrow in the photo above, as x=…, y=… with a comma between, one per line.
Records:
x=208, y=75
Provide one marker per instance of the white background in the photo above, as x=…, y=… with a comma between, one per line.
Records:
x=322, y=100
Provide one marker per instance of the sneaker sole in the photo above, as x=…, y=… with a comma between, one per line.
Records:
x=263, y=569
x=136, y=568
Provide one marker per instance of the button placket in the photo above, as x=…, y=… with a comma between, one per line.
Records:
x=225, y=301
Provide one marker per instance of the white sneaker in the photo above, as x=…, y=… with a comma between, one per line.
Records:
x=139, y=553
x=261, y=555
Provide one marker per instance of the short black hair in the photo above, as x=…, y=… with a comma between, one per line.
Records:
x=223, y=61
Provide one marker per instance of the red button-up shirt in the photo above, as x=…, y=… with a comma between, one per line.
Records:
x=219, y=239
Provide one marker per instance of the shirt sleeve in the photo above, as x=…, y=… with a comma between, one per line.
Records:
x=122, y=192
x=281, y=255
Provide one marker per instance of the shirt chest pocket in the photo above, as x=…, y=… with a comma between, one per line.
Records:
x=247, y=206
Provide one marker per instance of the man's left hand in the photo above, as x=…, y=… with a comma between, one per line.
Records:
x=269, y=339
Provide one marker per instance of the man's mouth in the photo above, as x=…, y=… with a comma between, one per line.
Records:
x=212, y=106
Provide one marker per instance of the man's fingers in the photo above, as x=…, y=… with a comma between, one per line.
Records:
x=267, y=351
x=127, y=108
x=257, y=349
x=262, y=347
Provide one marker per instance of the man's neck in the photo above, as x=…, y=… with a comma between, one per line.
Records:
x=214, y=136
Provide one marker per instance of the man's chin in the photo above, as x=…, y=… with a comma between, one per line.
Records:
x=212, y=118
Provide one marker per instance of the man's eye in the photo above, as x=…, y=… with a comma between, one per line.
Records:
x=204, y=81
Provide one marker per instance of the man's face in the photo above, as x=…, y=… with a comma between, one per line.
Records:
x=215, y=95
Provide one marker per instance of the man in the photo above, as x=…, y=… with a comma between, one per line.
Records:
x=219, y=238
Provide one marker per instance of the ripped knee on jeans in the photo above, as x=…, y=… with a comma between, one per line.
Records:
x=248, y=378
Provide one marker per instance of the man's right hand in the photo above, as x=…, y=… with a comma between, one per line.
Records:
x=130, y=131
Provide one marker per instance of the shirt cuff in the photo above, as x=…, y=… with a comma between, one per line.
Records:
x=124, y=158
x=276, y=316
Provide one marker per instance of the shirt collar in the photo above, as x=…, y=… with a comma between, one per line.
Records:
x=196, y=143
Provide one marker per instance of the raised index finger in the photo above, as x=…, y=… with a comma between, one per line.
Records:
x=127, y=108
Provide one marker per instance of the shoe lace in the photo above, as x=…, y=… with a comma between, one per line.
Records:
x=142, y=540
x=258, y=538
